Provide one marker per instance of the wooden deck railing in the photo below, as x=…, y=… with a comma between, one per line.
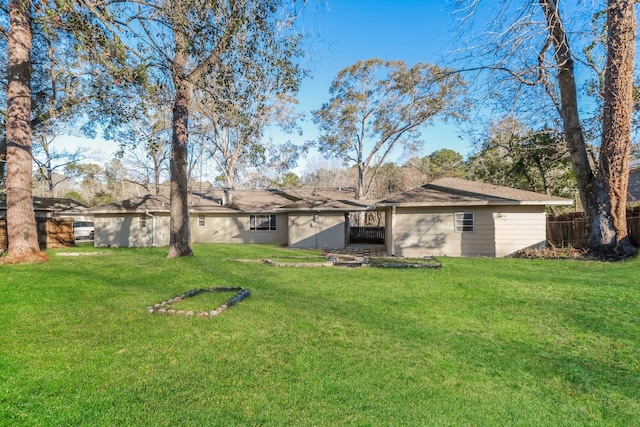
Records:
x=373, y=235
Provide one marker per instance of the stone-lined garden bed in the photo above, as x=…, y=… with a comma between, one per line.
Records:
x=355, y=261
x=164, y=307
x=392, y=262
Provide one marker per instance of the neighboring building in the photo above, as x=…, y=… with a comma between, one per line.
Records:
x=54, y=221
x=457, y=217
x=54, y=207
x=633, y=192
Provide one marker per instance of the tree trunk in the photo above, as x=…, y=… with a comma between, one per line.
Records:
x=179, y=228
x=616, y=129
x=607, y=229
x=21, y=223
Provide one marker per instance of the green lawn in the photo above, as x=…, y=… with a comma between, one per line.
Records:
x=477, y=342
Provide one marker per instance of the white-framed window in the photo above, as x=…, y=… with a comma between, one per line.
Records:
x=201, y=221
x=464, y=221
x=262, y=222
x=142, y=222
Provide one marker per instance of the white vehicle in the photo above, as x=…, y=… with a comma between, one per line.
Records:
x=83, y=230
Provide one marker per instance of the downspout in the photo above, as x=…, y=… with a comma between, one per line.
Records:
x=153, y=228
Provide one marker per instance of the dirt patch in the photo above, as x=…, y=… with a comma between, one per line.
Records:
x=24, y=257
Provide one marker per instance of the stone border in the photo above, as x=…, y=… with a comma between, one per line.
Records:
x=164, y=307
x=328, y=263
x=81, y=253
x=389, y=262
x=347, y=261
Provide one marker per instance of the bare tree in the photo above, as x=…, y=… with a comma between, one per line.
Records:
x=376, y=105
x=51, y=162
x=530, y=45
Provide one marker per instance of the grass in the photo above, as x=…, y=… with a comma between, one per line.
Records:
x=408, y=262
x=477, y=342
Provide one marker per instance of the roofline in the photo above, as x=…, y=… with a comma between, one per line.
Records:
x=325, y=209
x=480, y=203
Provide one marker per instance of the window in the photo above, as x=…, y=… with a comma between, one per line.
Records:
x=463, y=222
x=201, y=221
x=142, y=222
x=262, y=222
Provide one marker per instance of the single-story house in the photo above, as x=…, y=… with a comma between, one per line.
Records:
x=461, y=218
x=451, y=216
x=304, y=218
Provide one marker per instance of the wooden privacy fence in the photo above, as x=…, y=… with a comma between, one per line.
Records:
x=52, y=233
x=570, y=229
x=366, y=235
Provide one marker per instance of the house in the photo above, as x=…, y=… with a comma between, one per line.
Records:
x=305, y=218
x=457, y=217
x=451, y=216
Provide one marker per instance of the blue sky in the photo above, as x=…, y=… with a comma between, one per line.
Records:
x=349, y=30
x=409, y=30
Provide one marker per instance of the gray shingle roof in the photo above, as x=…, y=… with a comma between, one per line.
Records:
x=460, y=192
x=247, y=201
x=57, y=204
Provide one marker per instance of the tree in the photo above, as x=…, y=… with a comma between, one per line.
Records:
x=288, y=180
x=21, y=223
x=230, y=124
x=28, y=103
x=193, y=41
x=602, y=184
x=376, y=105
x=515, y=156
x=445, y=163
x=49, y=160
x=145, y=145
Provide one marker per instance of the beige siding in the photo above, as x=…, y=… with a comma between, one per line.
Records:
x=389, y=221
x=421, y=232
x=122, y=230
x=320, y=230
x=235, y=229
x=498, y=231
x=519, y=229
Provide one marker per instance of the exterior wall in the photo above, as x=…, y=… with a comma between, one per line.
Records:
x=126, y=230
x=389, y=227
x=318, y=230
x=524, y=227
x=221, y=228
x=498, y=231
x=430, y=232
